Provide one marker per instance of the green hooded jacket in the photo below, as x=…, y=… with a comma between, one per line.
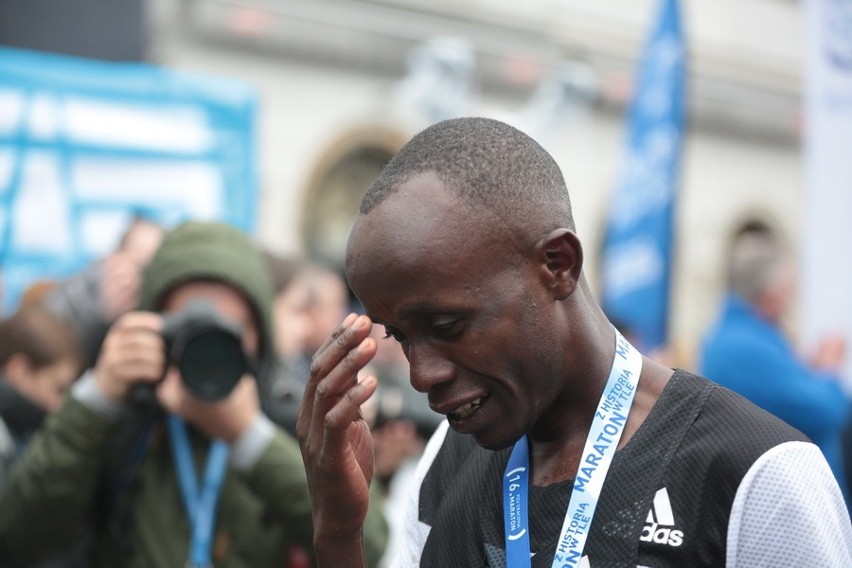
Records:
x=67, y=488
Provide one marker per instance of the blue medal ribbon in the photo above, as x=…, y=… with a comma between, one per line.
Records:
x=598, y=452
x=200, y=504
x=515, y=484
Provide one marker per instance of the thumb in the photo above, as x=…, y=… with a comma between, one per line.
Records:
x=170, y=392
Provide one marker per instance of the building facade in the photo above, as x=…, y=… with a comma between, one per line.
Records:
x=343, y=83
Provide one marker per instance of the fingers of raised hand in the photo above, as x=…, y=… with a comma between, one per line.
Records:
x=334, y=371
x=348, y=406
x=345, y=325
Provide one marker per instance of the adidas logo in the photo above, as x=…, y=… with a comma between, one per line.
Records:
x=659, y=526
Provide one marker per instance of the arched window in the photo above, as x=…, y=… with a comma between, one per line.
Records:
x=342, y=177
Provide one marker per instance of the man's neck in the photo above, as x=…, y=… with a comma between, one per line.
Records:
x=557, y=458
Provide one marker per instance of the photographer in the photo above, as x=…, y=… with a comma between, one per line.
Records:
x=199, y=477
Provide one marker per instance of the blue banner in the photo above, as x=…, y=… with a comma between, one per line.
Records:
x=637, y=254
x=85, y=145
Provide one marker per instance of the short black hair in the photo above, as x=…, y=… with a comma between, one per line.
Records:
x=487, y=164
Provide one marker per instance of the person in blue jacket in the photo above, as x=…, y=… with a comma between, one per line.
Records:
x=747, y=351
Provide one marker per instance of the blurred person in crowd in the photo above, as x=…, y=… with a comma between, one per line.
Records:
x=292, y=323
x=310, y=298
x=39, y=359
x=747, y=351
x=130, y=468
x=92, y=299
x=282, y=388
x=322, y=295
x=562, y=444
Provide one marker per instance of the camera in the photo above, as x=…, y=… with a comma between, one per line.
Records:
x=206, y=348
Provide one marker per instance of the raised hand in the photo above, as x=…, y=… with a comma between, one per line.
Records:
x=336, y=443
x=830, y=354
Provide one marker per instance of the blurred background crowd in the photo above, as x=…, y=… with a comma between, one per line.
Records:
x=703, y=143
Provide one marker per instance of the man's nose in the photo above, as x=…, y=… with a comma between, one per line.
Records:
x=428, y=367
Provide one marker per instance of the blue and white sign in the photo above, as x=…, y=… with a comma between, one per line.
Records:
x=826, y=274
x=637, y=248
x=85, y=144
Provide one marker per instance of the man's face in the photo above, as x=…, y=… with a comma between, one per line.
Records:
x=469, y=310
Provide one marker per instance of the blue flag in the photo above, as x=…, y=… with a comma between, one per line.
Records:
x=637, y=255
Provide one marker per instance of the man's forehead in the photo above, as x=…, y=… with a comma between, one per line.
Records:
x=419, y=217
x=394, y=243
x=419, y=194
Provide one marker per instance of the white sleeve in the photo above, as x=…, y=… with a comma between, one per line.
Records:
x=789, y=512
x=415, y=532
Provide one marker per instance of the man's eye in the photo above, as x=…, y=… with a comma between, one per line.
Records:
x=445, y=327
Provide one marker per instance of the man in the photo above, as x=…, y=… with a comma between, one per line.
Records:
x=147, y=507
x=747, y=352
x=465, y=250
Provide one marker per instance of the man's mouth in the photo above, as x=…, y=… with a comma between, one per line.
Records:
x=466, y=410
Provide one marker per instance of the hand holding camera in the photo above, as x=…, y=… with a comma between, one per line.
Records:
x=193, y=357
x=133, y=352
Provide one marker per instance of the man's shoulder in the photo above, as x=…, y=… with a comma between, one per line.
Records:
x=700, y=434
x=743, y=416
x=725, y=407
x=707, y=439
x=729, y=432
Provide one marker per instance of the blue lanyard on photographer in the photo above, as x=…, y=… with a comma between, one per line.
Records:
x=601, y=443
x=200, y=504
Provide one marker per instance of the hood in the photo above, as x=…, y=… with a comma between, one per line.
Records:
x=207, y=250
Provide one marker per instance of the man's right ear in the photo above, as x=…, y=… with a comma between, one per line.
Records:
x=560, y=257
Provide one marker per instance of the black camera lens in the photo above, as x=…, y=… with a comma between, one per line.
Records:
x=211, y=364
